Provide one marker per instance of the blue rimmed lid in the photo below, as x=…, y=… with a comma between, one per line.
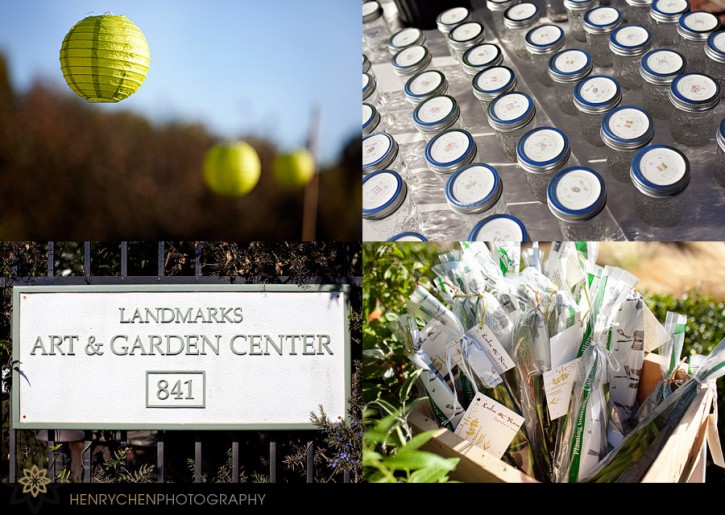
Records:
x=597, y=94
x=371, y=11
x=697, y=25
x=492, y=82
x=570, y=65
x=366, y=64
x=404, y=38
x=383, y=193
x=480, y=57
x=576, y=194
x=715, y=48
x=545, y=39
x=411, y=60
x=436, y=114
x=602, y=20
x=408, y=236
x=661, y=66
x=499, y=5
x=695, y=92
x=499, y=228
x=368, y=85
x=370, y=118
x=475, y=188
x=542, y=150
x=450, y=150
x=511, y=111
x=721, y=135
x=630, y=40
x=452, y=17
x=660, y=171
x=521, y=15
x=466, y=35
x=379, y=151
x=580, y=5
x=668, y=11
x=425, y=84
x=627, y=128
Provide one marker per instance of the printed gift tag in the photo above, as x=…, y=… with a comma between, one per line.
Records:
x=490, y=425
x=558, y=384
x=489, y=343
x=436, y=341
x=565, y=345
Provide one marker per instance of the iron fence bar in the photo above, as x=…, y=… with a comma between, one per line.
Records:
x=235, y=458
x=87, y=258
x=51, y=454
x=124, y=259
x=86, y=456
x=161, y=265
x=160, y=456
x=346, y=476
x=197, y=258
x=6, y=282
x=123, y=439
x=51, y=258
x=310, y=463
x=197, y=458
x=12, y=448
x=272, y=461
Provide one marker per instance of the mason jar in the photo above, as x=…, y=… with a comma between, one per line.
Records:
x=381, y=152
x=658, y=69
x=695, y=97
x=475, y=191
x=694, y=28
x=576, y=10
x=450, y=18
x=465, y=36
x=375, y=29
x=492, y=83
x=436, y=115
x=371, y=120
x=541, y=43
x=720, y=159
x=660, y=175
x=555, y=10
x=566, y=68
x=629, y=43
x=541, y=153
x=369, y=89
x=578, y=199
x=424, y=85
x=404, y=38
x=411, y=60
x=624, y=131
x=497, y=9
x=594, y=97
x=388, y=208
x=408, y=236
x=518, y=20
x=498, y=228
x=665, y=14
x=449, y=151
x=367, y=66
x=638, y=12
x=511, y=115
x=480, y=57
x=598, y=25
x=715, y=63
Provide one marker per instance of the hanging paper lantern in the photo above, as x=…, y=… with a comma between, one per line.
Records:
x=232, y=169
x=104, y=58
x=294, y=169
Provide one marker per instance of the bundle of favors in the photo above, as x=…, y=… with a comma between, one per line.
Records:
x=538, y=361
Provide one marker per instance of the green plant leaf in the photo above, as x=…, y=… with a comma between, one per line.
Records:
x=435, y=474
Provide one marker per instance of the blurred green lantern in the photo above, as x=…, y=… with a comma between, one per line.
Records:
x=232, y=169
x=104, y=58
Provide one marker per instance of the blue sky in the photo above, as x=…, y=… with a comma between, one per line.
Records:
x=238, y=66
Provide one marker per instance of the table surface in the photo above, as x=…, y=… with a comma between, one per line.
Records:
x=704, y=200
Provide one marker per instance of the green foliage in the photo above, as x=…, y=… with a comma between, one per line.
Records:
x=116, y=469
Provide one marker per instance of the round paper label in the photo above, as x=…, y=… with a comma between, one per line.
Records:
x=664, y=62
x=700, y=21
x=696, y=87
x=473, y=184
x=494, y=78
x=662, y=166
x=632, y=36
x=425, y=83
x=603, y=16
x=629, y=124
x=410, y=56
x=545, y=35
x=379, y=190
x=511, y=106
x=544, y=145
x=449, y=147
x=369, y=8
x=719, y=42
x=435, y=109
x=598, y=90
x=454, y=16
x=374, y=148
x=521, y=11
x=466, y=32
x=571, y=61
x=367, y=113
x=481, y=55
x=406, y=37
x=671, y=6
x=578, y=189
x=500, y=229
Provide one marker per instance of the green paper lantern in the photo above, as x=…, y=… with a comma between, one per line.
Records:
x=104, y=58
x=294, y=169
x=232, y=169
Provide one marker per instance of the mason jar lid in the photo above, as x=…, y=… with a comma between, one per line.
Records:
x=630, y=40
x=597, y=94
x=408, y=236
x=627, y=128
x=370, y=118
x=499, y=5
x=366, y=64
x=450, y=150
x=697, y=26
x=580, y=5
x=511, y=111
x=371, y=11
x=668, y=11
x=576, y=194
x=436, y=114
x=638, y=3
x=545, y=39
x=715, y=48
x=497, y=228
x=411, y=60
x=660, y=171
x=570, y=65
x=404, y=38
x=493, y=82
x=383, y=193
x=424, y=85
x=466, y=35
x=521, y=15
x=602, y=20
x=661, y=66
x=542, y=150
x=475, y=188
x=368, y=85
x=452, y=17
x=694, y=92
x=379, y=151
x=721, y=135
x=480, y=57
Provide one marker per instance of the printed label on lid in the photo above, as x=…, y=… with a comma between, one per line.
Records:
x=629, y=124
x=662, y=166
x=697, y=87
x=500, y=229
x=719, y=42
x=406, y=37
x=521, y=12
x=425, y=83
x=603, y=16
x=369, y=8
x=494, y=78
x=700, y=22
x=379, y=190
x=544, y=145
x=452, y=16
x=632, y=35
x=410, y=56
x=545, y=35
x=598, y=90
x=466, y=32
x=435, y=109
x=449, y=147
x=665, y=62
x=482, y=54
x=375, y=147
x=571, y=61
x=578, y=189
x=367, y=113
x=473, y=184
x=671, y=6
x=511, y=106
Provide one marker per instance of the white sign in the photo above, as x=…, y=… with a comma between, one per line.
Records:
x=179, y=357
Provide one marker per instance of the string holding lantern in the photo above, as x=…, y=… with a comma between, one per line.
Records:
x=105, y=58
